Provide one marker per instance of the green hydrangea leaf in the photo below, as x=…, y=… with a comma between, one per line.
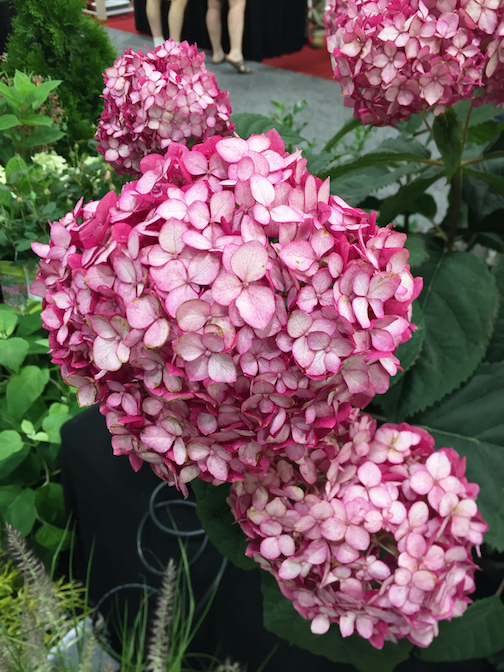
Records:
x=219, y=524
x=52, y=537
x=477, y=634
x=24, y=388
x=13, y=352
x=447, y=132
x=459, y=301
x=471, y=420
x=21, y=513
x=8, y=320
x=495, y=352
x=8, y=494
x=248, y=124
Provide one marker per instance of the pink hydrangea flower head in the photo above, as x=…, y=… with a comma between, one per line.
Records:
x=224, y=308
x=394, y=59
x=153, y=99
x=380, y=546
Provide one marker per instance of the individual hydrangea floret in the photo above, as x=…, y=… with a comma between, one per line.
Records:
x=224, y=307
x=394, y=59
x=153, y=99
x=372, y=530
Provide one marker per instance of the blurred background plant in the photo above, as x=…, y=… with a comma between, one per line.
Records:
x=56, y=40
x=43, y=189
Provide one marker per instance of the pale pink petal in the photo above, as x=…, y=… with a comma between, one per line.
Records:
x=221, y=369
x=320, y=624
x=256, y=306
x=249, y=261
x=189, y=347
x=217, y=467
x=262, y=190
x=298, y=255
x=105, y=354
x=192, y=315
x=157, y=334
x=226, y=288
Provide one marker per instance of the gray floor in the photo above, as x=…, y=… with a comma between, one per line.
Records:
x=254, y=93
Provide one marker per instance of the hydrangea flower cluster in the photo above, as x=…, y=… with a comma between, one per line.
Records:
x=395, y=58
x=371, y=529
x=224, y=307
x=157, y=98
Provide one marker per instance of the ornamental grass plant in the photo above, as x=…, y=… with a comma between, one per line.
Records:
x=41, y=623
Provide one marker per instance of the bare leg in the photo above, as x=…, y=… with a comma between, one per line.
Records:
x=154, y=18
x=236, y=22
x=214, y=27
x=176, y=19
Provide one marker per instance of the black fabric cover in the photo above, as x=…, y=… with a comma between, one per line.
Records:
x=272, y=28
x=108, y=501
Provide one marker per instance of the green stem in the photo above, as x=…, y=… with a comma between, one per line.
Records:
x=500, y=588
x=429, y=127
x=466, y=127
x=453, y=216
x=484, y=157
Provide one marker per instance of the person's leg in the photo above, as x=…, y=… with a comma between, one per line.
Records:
x=176, y=19
x=153, y=8
x=214, y=27
x=236, y=22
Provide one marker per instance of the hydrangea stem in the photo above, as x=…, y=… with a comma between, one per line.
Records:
x=453, y=215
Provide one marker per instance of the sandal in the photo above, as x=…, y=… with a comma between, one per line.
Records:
x=240, y=66
x=219, y=62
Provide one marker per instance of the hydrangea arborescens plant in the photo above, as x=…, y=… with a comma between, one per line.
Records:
x=371, y=529
x=394, y=59
x=224, y=308
x=153, y=99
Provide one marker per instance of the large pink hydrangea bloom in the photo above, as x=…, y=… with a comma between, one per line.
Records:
x=224, y=307
x=397, y=58
x=371, y=529
x=153, y=99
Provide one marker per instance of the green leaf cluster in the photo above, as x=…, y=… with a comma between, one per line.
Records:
x=22, y=121
x=34, y=403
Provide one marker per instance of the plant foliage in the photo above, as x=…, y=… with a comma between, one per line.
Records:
x=55, y=39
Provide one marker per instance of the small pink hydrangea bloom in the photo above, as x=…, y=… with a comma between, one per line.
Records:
x=153, y=99
x=380, y=546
